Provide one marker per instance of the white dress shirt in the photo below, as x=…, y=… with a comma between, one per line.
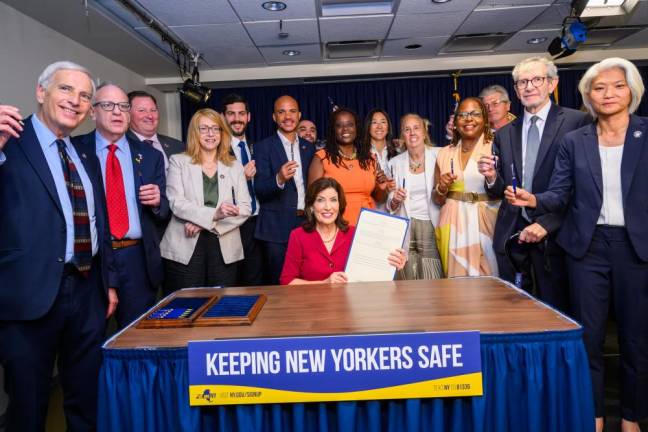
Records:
x=292, y=151
x=612, y=208
x=237, y=153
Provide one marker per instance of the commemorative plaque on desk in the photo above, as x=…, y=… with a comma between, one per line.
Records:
x=231, y=310
x=176, y=312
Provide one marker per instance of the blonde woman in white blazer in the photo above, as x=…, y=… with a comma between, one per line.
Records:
x=209, y=198
x=411, y=197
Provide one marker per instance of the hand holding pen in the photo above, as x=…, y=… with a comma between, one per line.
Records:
x=399, y=196
x=487, y=165
x=11, y=124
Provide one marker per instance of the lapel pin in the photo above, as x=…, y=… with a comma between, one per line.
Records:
x=139, y=158
x=166, y=145
x=222, y=176
x=83, y=155
x=637, y=134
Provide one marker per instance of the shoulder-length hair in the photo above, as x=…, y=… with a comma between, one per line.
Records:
x=366, y=136
x=488, y=131
x=632, y=76
x=311, y=195
x=425, y=124
x=363, y=152
x=224, y=153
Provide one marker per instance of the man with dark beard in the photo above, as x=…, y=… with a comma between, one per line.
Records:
x=237, y=115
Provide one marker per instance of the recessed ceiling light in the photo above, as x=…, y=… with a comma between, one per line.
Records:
x=274, y=6
x=291, y=53
x=536, y=40
x=413, y=46
x=440, y=1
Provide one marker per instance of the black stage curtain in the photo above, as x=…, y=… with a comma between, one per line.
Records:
x=428, y=97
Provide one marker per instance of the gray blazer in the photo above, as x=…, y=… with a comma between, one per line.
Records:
x=186, y=199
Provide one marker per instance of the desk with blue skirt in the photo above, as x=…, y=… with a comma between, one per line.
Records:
x=534, y=364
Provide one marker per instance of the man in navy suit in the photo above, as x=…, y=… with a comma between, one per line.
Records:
x=55, y=255
x=527, y=148
x=282, y=162
x=135, y=185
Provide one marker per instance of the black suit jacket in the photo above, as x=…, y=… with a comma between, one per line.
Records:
x=149, y=164
x=577, y=187
x=170, y=145
x=33, y=230
x=277, y=215
x=508, y=145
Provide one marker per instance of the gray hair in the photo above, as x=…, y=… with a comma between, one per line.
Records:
x=45, y=78
x=495, y=88
x=552, y=70
x=632, y=76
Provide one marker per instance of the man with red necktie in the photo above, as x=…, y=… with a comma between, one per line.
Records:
x=134, y=182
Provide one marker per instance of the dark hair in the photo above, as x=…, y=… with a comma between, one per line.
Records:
x=311, y=195
x=363, y=153
x=366, y=137
x=233, y=98
x=488, y=132
x=141, y=93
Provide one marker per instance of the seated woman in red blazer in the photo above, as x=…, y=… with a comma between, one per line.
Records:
x=317, y=251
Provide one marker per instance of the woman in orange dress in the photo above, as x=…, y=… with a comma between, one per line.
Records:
x=350, y=163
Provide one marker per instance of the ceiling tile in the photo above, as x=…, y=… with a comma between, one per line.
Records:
x=429, y=47
x=354, y=27
x=637, y=40
x=518, y=42
x=194, y=12
x=552, y=17
x=426, y=25
x=493, y=3
x=308, y=53
x=415, y=7
x=204, y=37
x=251, y=10
x=229, y=57
x=490, y=19
x=266, y=33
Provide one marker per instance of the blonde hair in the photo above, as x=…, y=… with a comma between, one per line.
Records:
x=193, y=137
x=632, y=76
x=425, y=123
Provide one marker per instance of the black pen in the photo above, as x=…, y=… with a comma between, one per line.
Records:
x=292, y=151
x=403, y=182
x=233, y=196
x=513, y=179
x=452, y=166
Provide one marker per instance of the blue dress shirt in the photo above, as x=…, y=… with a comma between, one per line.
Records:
x=47, y=141
x=123, y=153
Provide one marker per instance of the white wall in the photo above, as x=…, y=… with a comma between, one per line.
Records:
x=27, y=47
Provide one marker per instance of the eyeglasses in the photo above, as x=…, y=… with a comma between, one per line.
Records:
x=463, y=115
x=494, y=104
x=110, y=106
x=204, y=130
x=535, y=81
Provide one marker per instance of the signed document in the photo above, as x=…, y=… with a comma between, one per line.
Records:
x=377, y=234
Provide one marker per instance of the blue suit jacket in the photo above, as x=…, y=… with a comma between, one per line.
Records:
x=151, y=167
x=277, y=215
x=508, y=145
x=577, y=186
x=33, y=230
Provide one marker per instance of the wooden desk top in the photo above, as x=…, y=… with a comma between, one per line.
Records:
x=486, y=304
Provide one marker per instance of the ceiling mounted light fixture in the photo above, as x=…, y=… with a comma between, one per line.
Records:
x=597, y=8
x=536, y=40
x=413, y=46
x=440, y=1
x=274, y=6
x=291, y=53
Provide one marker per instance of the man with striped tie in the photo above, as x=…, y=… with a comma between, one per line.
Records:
x=55, y=257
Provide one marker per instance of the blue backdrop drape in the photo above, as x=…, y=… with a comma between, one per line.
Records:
x=429, y=97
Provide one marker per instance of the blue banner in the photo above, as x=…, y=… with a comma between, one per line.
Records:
x=334, y=368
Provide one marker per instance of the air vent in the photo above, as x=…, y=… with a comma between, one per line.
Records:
x=474, y=43
x=352, y=49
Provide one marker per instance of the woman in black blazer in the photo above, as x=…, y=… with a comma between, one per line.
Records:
x=600, y=183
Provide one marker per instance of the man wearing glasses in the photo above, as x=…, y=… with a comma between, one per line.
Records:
x=134, y=183
x=498, y=105
x=526, y=149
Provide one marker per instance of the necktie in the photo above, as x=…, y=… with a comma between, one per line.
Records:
x=244, y=160
x=115, y=195
x=533, y=143
x=148, y=142
x=82, y=241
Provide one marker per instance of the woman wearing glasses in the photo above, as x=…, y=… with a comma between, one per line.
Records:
x=467, y=218
x=599, y=181
x=351, y=163
x=209, y=199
